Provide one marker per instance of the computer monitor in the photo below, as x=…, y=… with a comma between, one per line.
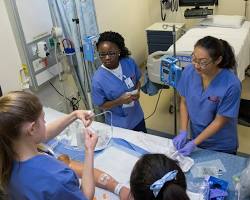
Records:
x=197, y=3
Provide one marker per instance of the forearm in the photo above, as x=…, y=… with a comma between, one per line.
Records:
x=184, y=118
x=56, y=127
x=110, y=104
x=212, y=129
x=88, y=184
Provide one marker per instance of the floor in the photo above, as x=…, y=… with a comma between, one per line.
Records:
x=163, y=121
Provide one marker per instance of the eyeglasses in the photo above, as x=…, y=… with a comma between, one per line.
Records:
x=111, y=54
x=201, y=62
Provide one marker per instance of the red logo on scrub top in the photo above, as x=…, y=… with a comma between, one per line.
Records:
x=214, y=99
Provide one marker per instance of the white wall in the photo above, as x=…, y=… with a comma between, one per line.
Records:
x=10, y=61
x=131, y=17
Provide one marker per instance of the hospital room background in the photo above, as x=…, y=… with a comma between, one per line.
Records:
x=131, y=18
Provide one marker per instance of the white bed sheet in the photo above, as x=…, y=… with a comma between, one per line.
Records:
x=238, y=38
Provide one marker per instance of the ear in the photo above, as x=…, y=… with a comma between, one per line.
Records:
x=218, y=60
x=31, y=128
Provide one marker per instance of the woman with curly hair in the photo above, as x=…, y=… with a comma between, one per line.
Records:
x=116, y=85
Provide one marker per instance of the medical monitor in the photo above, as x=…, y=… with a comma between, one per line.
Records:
x=196, y=3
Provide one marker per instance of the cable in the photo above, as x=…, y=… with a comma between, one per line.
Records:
x=73, y=101
x=156, y=105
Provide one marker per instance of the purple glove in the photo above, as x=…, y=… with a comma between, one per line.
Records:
x=180, y=140
x=188, y=148
x=213, y=193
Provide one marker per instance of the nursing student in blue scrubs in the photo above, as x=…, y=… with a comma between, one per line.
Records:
x=210, y=98
x=116, y=85
x=28, y=174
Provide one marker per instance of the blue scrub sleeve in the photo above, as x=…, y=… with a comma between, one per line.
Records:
x=137, y=70
x=67, y=186
x=229, y=105
x=98, y=95
x=182, y=84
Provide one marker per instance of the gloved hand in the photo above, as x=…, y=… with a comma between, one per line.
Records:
x=213, y=193
x=180, y=140
x=188, y=148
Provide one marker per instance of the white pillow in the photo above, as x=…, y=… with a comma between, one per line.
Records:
x=228, y=21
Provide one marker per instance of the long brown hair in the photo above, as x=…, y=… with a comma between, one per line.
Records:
x=16, y=108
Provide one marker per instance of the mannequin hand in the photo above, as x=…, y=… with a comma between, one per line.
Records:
x=124, y=193
x=90, y=140
x=180, y=140
x=188, y=148
x=86, y=116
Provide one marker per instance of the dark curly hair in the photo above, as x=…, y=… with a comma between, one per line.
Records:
x=115, y=38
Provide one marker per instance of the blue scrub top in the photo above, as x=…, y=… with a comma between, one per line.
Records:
x=222, y=97
x=43, y=177
x=107, y=87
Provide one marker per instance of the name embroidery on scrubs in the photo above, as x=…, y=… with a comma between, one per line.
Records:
x=214, y=99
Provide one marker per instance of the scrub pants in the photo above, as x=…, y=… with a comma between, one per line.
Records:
x=141, y=126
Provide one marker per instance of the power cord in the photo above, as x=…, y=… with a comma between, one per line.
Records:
x=74, y=102
x=156, y=105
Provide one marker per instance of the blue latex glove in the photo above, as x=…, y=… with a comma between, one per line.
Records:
x=214, y=193
x=188, y=148
x=180, y=140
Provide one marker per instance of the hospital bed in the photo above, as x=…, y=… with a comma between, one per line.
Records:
x=118, y=159
x=238, y=38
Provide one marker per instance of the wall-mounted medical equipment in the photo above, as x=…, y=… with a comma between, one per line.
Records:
x=31, y=23
x=170, y=72
x=198, y=11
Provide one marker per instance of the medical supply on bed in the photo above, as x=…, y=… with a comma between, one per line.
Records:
x=170, y=72
x=244, y=183
x=208, y=168
x=73, y=135
x=198, y=189
x=217, y=188
x=153, y=145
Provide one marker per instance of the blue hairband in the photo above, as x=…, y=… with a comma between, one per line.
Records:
x=157, y=185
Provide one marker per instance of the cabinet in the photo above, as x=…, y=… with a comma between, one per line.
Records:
x=160, y=36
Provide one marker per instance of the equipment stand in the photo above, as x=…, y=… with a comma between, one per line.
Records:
x=175, y=92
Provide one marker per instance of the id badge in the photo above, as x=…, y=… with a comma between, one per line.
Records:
x=129, y=83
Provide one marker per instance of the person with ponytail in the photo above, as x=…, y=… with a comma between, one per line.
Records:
x=210, y=99
x=155, y=176
x=25, y=172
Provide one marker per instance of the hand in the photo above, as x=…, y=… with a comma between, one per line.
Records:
x=90, y=140
x=86, y=116
x=136, y=96
x=124, y=193
x=180, y=140
x=125, y=98
x=188, y=148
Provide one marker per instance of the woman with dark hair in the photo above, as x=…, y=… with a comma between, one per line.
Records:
x=155, y=176
x=210, y=98
x=116, y=85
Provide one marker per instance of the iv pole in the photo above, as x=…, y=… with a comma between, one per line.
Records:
x=175, y=93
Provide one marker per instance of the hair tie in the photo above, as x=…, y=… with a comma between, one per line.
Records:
x=157, y=185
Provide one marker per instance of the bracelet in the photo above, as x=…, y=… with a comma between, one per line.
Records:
x=118, y=188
